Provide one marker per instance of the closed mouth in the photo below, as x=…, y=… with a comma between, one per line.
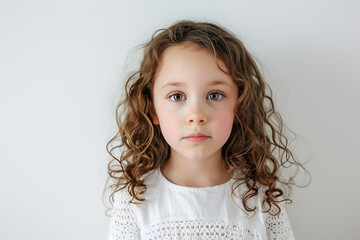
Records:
x=197, y=134
x=197, y=137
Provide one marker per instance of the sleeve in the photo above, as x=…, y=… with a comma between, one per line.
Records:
x=278, y=227
x=123, y=224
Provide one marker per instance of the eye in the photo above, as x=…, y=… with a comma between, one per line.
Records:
x=177, y=97
x=215, y=96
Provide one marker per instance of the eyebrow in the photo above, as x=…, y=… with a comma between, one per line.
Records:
x=177, y=84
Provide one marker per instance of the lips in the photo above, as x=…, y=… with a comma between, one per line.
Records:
x=197, y=137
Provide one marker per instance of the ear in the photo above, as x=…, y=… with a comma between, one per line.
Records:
x=153, y=114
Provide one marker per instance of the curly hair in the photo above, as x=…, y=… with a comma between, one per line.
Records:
x=257, y=130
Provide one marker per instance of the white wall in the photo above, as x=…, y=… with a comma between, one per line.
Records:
x=60, y=66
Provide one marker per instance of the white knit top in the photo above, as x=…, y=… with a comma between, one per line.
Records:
x=172, y=211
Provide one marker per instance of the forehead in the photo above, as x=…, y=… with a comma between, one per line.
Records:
x=189, y=61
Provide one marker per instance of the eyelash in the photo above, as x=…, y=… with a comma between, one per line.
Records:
x=222, y=95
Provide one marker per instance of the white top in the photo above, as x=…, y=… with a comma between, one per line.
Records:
x=172, y=211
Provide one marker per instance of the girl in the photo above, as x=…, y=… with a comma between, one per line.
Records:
x=198, y=143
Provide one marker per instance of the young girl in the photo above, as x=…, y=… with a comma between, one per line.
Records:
x=198, y=143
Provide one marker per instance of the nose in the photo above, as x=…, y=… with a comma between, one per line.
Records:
x=196, y=116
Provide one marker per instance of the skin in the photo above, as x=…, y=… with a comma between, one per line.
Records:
x=192, y=95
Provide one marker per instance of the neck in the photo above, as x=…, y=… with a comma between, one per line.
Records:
x=195, y=172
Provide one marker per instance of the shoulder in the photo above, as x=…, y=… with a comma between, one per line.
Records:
x=153, y=183
x=124, y=224
x=273, y=226
x=122, y=206
x=122, y=196
x=276, y=226
x=151, y=177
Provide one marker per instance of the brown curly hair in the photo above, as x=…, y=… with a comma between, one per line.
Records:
x=257, y=131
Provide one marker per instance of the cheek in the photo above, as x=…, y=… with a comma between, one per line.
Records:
x=169, y=124
x=224, y=123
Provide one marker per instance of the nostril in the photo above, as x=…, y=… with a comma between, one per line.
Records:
x=200, y=121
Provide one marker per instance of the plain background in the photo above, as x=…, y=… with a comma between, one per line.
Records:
x=61, y=65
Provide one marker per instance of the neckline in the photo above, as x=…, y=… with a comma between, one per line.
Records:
x=180, y=187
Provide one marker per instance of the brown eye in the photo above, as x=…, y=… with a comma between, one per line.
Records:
x=215, y=96
x=177, y=97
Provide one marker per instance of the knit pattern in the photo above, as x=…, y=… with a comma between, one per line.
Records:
x=199, y=229
x=278, y=227
x=124, y=226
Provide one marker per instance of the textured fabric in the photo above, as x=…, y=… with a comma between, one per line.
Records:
x=171, y=211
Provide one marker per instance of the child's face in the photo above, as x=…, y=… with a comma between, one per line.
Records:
x=191, y=95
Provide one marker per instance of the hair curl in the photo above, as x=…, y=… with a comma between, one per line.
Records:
x=257, y=131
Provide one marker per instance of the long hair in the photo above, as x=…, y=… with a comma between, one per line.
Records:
x=257, y=130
